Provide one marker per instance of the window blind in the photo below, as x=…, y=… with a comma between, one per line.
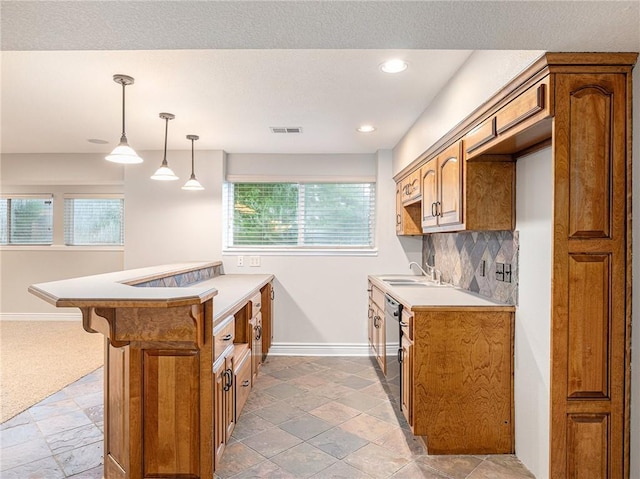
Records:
x=26, y=219
x=93, y=221
x=300, y=215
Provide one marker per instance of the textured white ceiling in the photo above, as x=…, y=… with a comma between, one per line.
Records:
x=230, y=70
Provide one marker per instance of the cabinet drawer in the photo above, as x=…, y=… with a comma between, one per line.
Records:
x=410, y=188
x=223, y=336
x=256, y=304
x=532, y=101
x=480, y=135
x=407, y=324
x=242, y=383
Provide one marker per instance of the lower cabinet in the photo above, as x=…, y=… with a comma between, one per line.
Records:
x=242, y=376
x=406, y=365
x=256, y=346
x=223, y=403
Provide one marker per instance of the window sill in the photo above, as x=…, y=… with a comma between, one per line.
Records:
x=58, y=248
x=299, y=252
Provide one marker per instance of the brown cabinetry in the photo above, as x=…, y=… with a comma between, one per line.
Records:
x=521, y=123
x=223, y=402
x=442, y=189
x=242, y=377
x=457, y=380
x=376, y=326
x=267, y=294
x=255, y=324
x=407, y=215
x=410, y=188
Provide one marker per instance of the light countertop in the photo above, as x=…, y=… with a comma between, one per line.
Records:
x=115, y=289
x=418, y=293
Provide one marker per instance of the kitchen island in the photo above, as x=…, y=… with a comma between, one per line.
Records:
x=452, y=351
x=172, y=360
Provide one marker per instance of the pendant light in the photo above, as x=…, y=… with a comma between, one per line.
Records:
x=123, y=153
x=192, y=183
x=164, y=173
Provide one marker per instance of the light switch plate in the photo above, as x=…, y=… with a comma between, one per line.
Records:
x=254, y=261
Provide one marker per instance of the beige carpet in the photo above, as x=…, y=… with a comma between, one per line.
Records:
x=38, y=358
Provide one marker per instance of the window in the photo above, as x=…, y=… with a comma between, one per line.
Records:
x=26, y=219
x=93, y=220
x=300, y=215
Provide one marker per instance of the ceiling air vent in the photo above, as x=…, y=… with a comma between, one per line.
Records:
x=286, y=129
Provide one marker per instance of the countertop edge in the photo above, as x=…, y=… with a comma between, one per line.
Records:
x=492, y=306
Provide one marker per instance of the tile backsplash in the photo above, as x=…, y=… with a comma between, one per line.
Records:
x=459, y=257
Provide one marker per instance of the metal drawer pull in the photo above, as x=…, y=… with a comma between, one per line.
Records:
x=245, y=383
x=403, y=324
x=227, y=337
x=257, y=305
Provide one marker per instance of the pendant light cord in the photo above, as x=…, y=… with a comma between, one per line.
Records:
x=123, y=130
x=166, y=132
x=192, y=160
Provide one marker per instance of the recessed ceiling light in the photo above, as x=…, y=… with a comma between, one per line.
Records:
x=366, y=128
x=97, y=141
x=394, y=66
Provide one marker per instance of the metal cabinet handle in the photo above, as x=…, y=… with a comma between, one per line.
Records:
x=228, y=374
x=400, y=358
x=433, y=209
x=245, y=383
x=404, y=324
x=398, y=219
x=257, y=305
x=273, y=294
x=227, y=337
x=258, y=332
x=438, y=208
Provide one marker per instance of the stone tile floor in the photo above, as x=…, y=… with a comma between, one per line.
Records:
x=318, y=417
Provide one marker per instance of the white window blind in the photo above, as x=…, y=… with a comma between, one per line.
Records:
x=26, y=219
x=300, y=215
x=93, y=220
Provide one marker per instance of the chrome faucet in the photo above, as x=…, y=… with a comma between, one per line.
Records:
x=419, y=267
x=433, y=273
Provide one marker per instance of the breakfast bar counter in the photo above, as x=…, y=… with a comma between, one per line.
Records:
x=171, y=356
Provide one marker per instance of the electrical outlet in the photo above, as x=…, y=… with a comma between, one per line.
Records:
x=254, y=261
x=507, y=273
x=240, y=261
x=499, y=271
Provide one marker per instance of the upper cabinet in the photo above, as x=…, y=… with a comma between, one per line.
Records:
x=467, y=182
x=515, y=127
x=442, y=189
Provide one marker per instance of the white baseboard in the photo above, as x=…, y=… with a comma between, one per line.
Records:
x=41, y=316
x=319, y=349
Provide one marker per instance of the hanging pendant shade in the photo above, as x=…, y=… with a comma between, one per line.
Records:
x=192, y=183
x=164, y=173
x=123, y=153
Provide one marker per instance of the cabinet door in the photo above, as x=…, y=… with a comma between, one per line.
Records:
x=256, y=347
x=407, y=380
x=381, y=342
x=370, y=327
x=267, y=318
x=229, y=400
x=450, y=195
x=219, y=424
x=429, y=194
x=399, y=228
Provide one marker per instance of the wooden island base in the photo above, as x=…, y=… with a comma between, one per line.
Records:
x=176, y=373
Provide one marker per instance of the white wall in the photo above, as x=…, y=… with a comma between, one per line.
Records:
x=21, y=266
x=321, y=301
x=534, y=222
x=482, y=75
x=165, y=224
